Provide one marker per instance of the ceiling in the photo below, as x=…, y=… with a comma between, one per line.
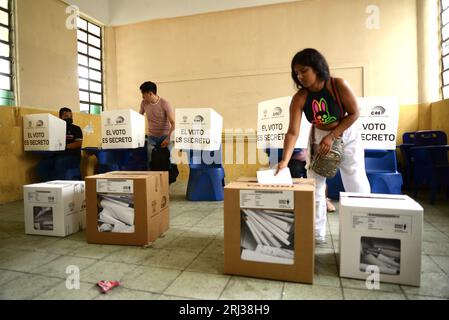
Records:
x=121, y=12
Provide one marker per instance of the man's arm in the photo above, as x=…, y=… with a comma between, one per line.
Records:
x=77, y=144
x=171, y=119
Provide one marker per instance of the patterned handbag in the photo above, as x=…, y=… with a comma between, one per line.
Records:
x=328, y=164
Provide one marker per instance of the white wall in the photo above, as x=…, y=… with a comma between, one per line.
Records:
x=121, y=12
x=97, y=9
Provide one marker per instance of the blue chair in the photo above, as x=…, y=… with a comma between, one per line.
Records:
x=206, y=177
x=135, y=160
x=408, y=141
x=430, y=162
x=109, y=160
x=381, y=170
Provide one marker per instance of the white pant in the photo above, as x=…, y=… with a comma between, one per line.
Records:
x=352, y=172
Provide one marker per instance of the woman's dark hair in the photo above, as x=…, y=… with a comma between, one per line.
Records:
x=311, y=58
x=148, y=87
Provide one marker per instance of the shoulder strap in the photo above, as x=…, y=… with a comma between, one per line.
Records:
x=337, y=96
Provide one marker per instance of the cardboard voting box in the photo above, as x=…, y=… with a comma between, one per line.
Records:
x=384, y=231
x=127, y=208
x=122, y=129
x=53, y=208
x=269, y=230
x=272, y=124
x=198, y=129
x=43, y=132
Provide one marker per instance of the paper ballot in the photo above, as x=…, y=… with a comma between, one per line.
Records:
x=269, y=177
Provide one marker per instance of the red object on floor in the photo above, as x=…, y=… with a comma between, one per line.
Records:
x=107, y=285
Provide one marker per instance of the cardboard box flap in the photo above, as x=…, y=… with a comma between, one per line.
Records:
x=302, y=185
x=379, y=201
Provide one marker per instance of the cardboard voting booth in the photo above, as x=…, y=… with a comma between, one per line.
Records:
x=43, y=132
x=380, y=233
x=272, y=125
x=198, y=129
x=378, y=122
x=122, y=129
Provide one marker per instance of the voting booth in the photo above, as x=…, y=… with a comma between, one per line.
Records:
x=198, y=129
x=43, y=132
x=272, y=124
x=199, y=132
x=377, y=126
x=122, y=129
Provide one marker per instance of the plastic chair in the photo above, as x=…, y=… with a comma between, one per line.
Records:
x=206, y=184
x=408, y=141
x=135, y=160
x=206, y=178
x=109, y=160
x=381, y=170
x=430, y=162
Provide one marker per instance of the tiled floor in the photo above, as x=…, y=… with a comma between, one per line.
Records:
x=187, y=263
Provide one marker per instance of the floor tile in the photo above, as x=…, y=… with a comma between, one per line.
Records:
x=150, y=279
x=130, y=255
x=240, y=288
x=106, y=270
x=354, y=294
x=208, y=263
x=27, y=287
x=170, y=258
x=432, y=284
x=293, y=291
x=26, y=260
x=86, y=291
x=198, y=285
x=120, y=293
x=59, y=267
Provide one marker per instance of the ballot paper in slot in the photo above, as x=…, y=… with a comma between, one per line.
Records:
x=116, y=213
x=267, y=236
x=270, y=176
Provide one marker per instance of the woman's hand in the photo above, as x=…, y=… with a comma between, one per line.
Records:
x=326, y=144
x=281, y=165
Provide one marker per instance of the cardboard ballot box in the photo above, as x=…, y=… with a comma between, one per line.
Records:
x=269, y=230
x=272, y=124
x=127, y=208
x=54, y=208
x=380, y=234
x=43, y=132
x=122, y=129
x=198, y=129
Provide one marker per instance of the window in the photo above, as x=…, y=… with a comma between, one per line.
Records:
x=6, y=56
x=444, y=9
x=90, y=66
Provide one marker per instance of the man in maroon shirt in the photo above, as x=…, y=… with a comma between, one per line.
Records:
x=160, y=116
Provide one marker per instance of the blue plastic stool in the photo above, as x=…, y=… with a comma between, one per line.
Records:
x=205, y=183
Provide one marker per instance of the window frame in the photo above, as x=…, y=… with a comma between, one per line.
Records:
x=444, y=56
x=8, y=97
x=88, y=56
